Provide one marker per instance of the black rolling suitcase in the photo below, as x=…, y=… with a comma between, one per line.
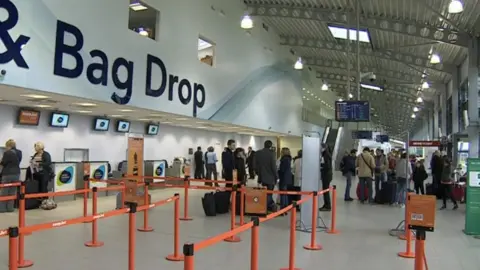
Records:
x=208, y=203
x=387, y=193
x=222, y=202
x=32, y=187
x=238, y=197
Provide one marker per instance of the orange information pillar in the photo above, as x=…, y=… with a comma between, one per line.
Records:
x=188, y=253
x=313, y=236
x=186, y=186
x=292, y=244
x=94, y=242
x=13, y=233
x=333, y=226
x=22, y=263
x=145, y=227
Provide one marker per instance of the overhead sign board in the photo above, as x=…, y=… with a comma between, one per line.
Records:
x=424, y=143
x=352, y=111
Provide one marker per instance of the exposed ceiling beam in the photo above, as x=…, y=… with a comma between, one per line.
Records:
x=381, y=77
x=408, y=59
x=339, y=17
x=413, y=76
x=408, y=97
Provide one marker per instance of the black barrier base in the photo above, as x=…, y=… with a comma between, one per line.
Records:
x=301, y=227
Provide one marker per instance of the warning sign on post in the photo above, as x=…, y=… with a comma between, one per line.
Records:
x=421, y=212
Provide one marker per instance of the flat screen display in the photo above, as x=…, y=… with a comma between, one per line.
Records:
x=152, y=129
x=463, y=146
x=352, y=111
x=101, y=124
x=362, y=135
x=59, y=120
x=123, y=126
x=28, y=117
x=382, y=138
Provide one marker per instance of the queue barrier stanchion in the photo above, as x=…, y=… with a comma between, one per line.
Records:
x=420, y=259
x=233, y=238
x=188, y=254
x=94, y=242
x=186, y=186
x=22, y=263
x=86, y=186
x=176, y=257
x=293, y=230
x=313, y=236
x=408, y=237
x=333, y=224
x=254, y=243
x=242, y=207
x=131, y=234
x=13, y=233
x=145, y=227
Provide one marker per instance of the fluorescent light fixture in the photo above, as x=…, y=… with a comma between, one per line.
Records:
x=324, y=87
x=419, y=100
x=202, y=127
x=246, y=23
x=35, y=96
x=144, y=119
x=116, y=115
x=298, y=65
x=157, y=114
x=371, y=87
x=126, y=110
x=181, y=119
x=455, y=6
x=341, y=33
x=142, y=32
x=416, y=109
x=85, y=104
x=413, y=115
x=43, y=106
x=425, y=85
x=82, y=111
x=351, y=96
x=202, y=44
x=137, y=6
x=435, y=59
x=340, y=99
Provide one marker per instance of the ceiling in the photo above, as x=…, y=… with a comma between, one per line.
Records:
x=48, y=101
x=403, y=34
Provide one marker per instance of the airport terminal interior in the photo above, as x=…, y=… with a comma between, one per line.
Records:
x=248, y=134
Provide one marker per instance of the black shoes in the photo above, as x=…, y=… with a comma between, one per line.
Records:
x=349, y=200
x=325, y=209
x=455, y=207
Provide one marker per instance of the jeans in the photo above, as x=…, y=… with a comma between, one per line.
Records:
x=348, y=177
x=401, y=190
x=366, y=182
x=8, y=206
x=284, y=199
x=211, y=169
x=270, y=201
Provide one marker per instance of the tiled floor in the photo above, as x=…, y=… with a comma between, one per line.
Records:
x=364, y=242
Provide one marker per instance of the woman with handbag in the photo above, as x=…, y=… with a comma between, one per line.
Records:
x=41, y=165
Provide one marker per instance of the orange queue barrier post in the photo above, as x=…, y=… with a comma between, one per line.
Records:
x=313, y=235
x=242, y=206
x=408, y=254
x=176, y=257
x=420, y=259
x=186, y=185
x=293, y=230
x=13, y=233
x=254, y=243
x=86, y=186
x=233, y=219
x=94, y=242
x=145, y=227
x=22, y=263
x=333, y=224
x=132, y=212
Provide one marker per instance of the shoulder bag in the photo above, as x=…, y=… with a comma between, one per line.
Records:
x=368, y=165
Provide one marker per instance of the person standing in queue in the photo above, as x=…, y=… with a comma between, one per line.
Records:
x=285, y=176
x=266, y=168
x=347, y=166
x=365, y=165
x=326, y=175
x=41, y=163
x=251, y=163
x=198, y=157
x=10, y=164
x=446, y=184
x=211, y=165
x=240, y=161
x=228, y=162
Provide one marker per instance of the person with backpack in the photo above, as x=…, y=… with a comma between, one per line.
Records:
x=365, y=165
x=446, y=184
x=419, y=176
x=10, y=164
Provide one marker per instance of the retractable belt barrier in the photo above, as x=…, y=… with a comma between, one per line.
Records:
x=189, y=249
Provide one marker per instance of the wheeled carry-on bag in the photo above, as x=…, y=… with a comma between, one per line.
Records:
x=32, y=187
x=208, y=203
x=222, y=202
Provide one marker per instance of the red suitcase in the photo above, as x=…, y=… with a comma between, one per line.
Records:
x=365, y=192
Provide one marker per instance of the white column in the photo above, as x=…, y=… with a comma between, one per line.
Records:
x=473, y=127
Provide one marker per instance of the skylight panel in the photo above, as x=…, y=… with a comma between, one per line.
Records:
x=341, y=33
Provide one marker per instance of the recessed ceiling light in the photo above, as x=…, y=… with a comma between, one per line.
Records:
x=35, y=96
x=201, y=127
x=181, y=119
x=126, y=110
x=137, y=6
x=85, y=104
x=81, y=111
x=43, y=106
x=116, y=115
x=166, y=122
x=143, y=119
x=156, y=114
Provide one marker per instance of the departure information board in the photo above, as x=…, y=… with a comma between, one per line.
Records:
x=352, y=111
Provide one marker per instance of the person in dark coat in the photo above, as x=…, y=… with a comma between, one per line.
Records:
x=41, y=164
x=251, y=163
x=326, y=175
x=347, y=166
x=198, y=158
x=10, y=164
x=240, y=161
x=436, y=164
x=228, y=162
x=419, y=176
x=266, y=169
x=285, y=176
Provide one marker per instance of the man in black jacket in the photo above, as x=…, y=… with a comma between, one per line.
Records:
x=266, y=167
x=347, y=166
x=228, y=161
x=326, y=173
x=198, y=157
x=251, y=163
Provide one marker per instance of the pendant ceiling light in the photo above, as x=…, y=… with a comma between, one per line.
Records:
x=415, y=109
x=435, y=59
x=413, y=115
x=419, y=100
x=246, y=23
x=455, y=6
x=298, y=65
x=324, y=87
x=425, y=85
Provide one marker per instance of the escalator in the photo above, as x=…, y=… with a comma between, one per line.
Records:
x=331, y=138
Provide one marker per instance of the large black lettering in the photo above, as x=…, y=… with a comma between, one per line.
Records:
x=101, y=67
x=127, y=84
x=73, y=50
x=184, y=84
x=149, y=91
x=171, y=83
x=198, y=103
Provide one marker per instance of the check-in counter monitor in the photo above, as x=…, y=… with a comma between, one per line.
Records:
x=65, y=178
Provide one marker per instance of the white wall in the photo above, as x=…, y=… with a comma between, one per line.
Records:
x=111, y=146
x=293, y=143
x=241, y=60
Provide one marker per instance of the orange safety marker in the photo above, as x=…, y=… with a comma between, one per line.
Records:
x=293, y=229
x=242, y=207
x=186, y=185
x=254, y=244
x=94, y=242
x=233, y=238
x=131, y=234
x=176, y=257
x=86, y=186
x=333, y=225
x=313, y=236
x=22, y=263
x=188, y=253
x=13, y=233
x=145, y=227
x=408, y=237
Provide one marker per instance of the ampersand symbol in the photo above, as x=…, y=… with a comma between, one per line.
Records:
x=13, y=47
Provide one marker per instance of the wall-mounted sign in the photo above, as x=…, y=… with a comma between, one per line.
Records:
x=424, y=143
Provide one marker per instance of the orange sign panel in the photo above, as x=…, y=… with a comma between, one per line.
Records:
x=256, y=201
x=421, y=211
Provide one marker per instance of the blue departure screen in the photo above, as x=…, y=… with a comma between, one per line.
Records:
x=362, y=135
x=352, y=111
